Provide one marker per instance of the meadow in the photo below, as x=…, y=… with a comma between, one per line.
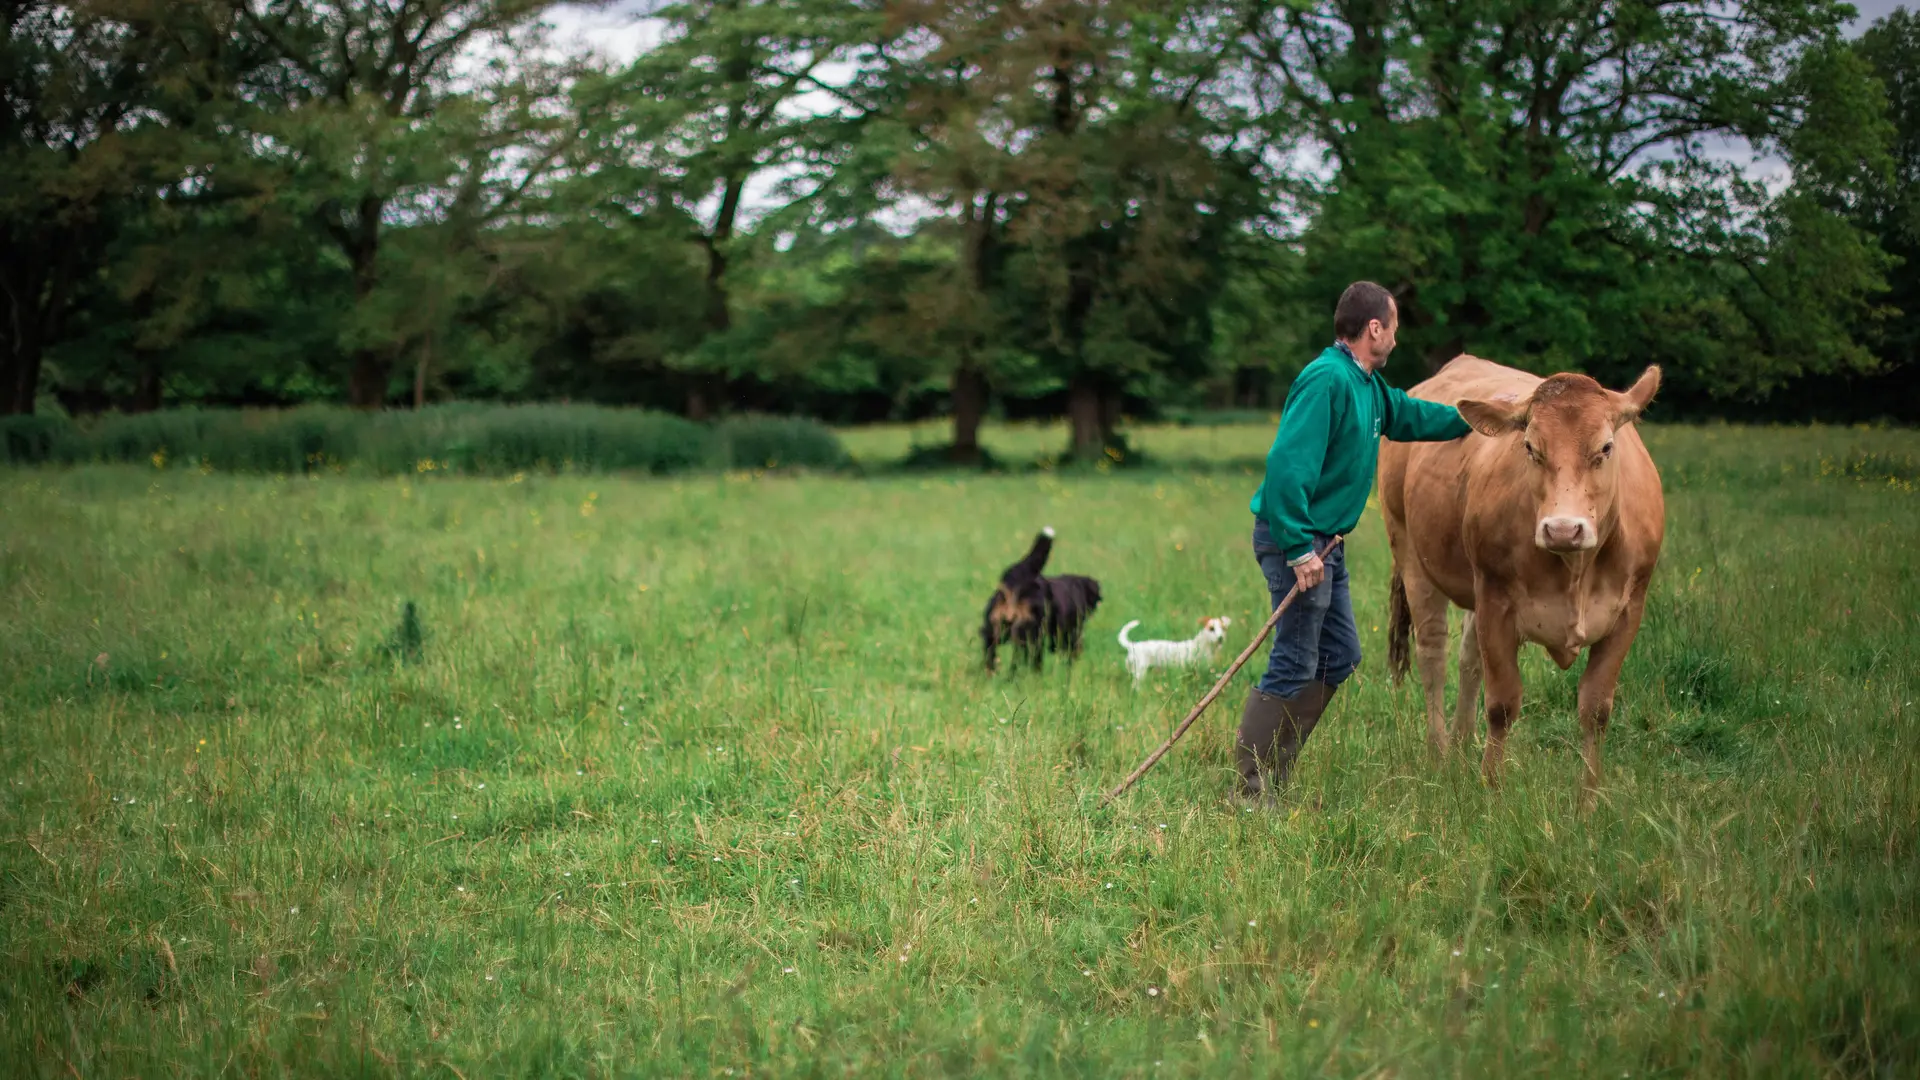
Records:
x=701, y=776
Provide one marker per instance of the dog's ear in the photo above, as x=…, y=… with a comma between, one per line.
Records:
x=1226, y=621
x=1204, y=620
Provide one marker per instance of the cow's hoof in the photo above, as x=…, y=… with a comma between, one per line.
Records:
x=1261, y=798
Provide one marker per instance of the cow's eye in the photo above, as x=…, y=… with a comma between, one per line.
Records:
x=1532, y=454
x=1607, y=450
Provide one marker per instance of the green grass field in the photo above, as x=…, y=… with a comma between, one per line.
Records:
x=702, y=777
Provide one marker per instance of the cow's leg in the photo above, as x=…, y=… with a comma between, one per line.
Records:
x=1499, y=640
x=1429, y=607
x=1597, y=684
x=1468, y=706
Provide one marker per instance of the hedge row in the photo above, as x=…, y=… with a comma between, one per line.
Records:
x=460, y=437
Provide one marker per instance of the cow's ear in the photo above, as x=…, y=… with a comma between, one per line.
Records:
x=1627, y=407
x=1495, y=418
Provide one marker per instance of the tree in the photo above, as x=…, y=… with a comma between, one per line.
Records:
x=584, y=307
x=1540, y=182
x=77, y=86
x=1891, y=211
x=194, y=253
x=1087, y=151
x=1264, y=330
x=363, y=116
x=736, y=95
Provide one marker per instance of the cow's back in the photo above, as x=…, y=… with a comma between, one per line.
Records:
x=1425, y=488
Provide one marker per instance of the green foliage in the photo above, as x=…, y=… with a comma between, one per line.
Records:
x=1083, y=145
x=1890, y=208
x=865, y=211
x=1538, y=187
x=471, y=438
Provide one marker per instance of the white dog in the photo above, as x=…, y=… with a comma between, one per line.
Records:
x=1144, y=656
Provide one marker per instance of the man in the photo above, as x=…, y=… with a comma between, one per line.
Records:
x=1319, y=474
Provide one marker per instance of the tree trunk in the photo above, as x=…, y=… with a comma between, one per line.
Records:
x=146, y=388
x=420, y=373
x=969, y=385
x=969, y=406
x=1085, y=416
x=34, y=294
x=367, y=385
x=707, y=389
x=19, y=378
x=372, y=367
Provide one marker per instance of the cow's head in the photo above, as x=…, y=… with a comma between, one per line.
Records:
x=1567, y=430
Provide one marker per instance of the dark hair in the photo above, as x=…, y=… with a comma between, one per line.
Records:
x=1362, y=303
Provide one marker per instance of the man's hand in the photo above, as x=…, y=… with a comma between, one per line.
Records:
x=1308, y=574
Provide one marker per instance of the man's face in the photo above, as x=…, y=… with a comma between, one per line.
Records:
x=1381, y=339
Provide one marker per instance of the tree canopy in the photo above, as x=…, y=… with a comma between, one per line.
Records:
x=898, y=208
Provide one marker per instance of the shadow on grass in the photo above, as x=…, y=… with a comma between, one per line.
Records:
x=946, y=458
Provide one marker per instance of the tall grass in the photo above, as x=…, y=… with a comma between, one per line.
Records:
x=701, y=774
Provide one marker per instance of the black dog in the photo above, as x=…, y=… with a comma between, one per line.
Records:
x=1038, y=613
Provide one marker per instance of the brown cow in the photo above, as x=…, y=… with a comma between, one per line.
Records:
x=1545, y=526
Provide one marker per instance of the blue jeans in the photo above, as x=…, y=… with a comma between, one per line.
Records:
x=1316, y=640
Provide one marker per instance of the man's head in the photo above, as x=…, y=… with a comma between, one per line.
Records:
x=1366, y=320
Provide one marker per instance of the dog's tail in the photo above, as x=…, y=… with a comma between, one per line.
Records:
x=1036, y=557
x=1399, y=627
x=1124, y=643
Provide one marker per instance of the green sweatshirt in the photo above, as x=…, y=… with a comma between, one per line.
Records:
x=1321, y=467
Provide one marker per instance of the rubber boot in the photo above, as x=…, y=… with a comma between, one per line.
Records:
x=1272, y=731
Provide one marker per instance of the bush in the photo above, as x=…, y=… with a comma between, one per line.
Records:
x=248, y=440
x=29, y=440
x=769, y=442
x=513, y=438
x=460, y=437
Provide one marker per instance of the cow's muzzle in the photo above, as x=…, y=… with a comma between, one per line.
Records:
x=1562, y=534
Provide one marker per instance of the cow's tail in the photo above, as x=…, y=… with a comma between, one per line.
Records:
x=1399, y=628
x=1124, y=643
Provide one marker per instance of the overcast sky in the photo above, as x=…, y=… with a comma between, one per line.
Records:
x=618, y=31
x=1874, y=9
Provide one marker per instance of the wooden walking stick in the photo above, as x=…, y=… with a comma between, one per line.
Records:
x=1245, y=654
